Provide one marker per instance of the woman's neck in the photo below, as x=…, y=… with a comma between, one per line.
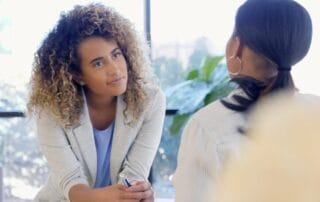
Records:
x=102, y=110
x=98, y=102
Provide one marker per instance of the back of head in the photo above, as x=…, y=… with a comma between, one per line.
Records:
x=279, y=30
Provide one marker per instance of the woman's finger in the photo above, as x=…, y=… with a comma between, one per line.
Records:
x=140, y=186
x=135, y=195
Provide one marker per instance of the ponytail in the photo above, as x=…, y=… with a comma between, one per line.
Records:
x=283, y=81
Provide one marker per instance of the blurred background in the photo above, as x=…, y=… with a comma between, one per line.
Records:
x=188, y=40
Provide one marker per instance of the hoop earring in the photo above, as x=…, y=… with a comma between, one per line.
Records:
x=240, y=69
x=81, y=83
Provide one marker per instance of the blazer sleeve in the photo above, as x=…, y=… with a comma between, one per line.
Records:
x=66, y=170
x=140, y=156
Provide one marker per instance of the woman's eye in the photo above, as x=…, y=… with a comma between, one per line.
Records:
x=98, y=63
x=117, y=54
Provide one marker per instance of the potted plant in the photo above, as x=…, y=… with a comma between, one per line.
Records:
x=202, y=86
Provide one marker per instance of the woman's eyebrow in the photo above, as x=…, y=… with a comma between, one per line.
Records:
x=115, y=49
x=95, y=59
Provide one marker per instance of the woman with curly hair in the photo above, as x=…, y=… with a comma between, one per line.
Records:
x=99, y=115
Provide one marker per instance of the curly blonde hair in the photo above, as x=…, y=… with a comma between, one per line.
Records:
x=56, y=63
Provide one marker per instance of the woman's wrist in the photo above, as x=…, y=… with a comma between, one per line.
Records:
x=81, y=193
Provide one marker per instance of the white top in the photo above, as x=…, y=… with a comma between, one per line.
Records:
x=211, y=134
x=103, y=142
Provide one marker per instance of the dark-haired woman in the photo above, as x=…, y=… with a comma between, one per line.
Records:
x=270, y=37
x=99, y=115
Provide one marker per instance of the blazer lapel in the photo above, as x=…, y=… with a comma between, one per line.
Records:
x=123, y=137
x=83, y=133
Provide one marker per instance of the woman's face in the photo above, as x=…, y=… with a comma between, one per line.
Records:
x=103, y=66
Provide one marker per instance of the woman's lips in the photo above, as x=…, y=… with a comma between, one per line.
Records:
x=115, y=81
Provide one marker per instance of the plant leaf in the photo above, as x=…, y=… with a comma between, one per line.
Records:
x=212, y=96
x=187, y=96
x=193, y=74
x=177, y=123
x=209, y=65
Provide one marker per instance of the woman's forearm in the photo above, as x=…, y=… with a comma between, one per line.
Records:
x=81, y=193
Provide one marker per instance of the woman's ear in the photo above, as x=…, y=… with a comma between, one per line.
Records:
x=78, y=79
x=237, y=47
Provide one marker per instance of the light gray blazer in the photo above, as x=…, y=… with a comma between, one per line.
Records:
x=71, y=153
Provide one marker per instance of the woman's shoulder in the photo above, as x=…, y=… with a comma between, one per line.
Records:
x=45, y=117
x=155, y=95
x=153, y=90
x=217, y=121
x=308, y=98
x=214, y=112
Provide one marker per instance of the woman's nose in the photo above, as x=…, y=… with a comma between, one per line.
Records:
x=113, y=68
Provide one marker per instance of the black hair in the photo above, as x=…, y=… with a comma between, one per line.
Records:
x=279, y=30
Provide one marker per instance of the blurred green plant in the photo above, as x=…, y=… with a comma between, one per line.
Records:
x=202, y=86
